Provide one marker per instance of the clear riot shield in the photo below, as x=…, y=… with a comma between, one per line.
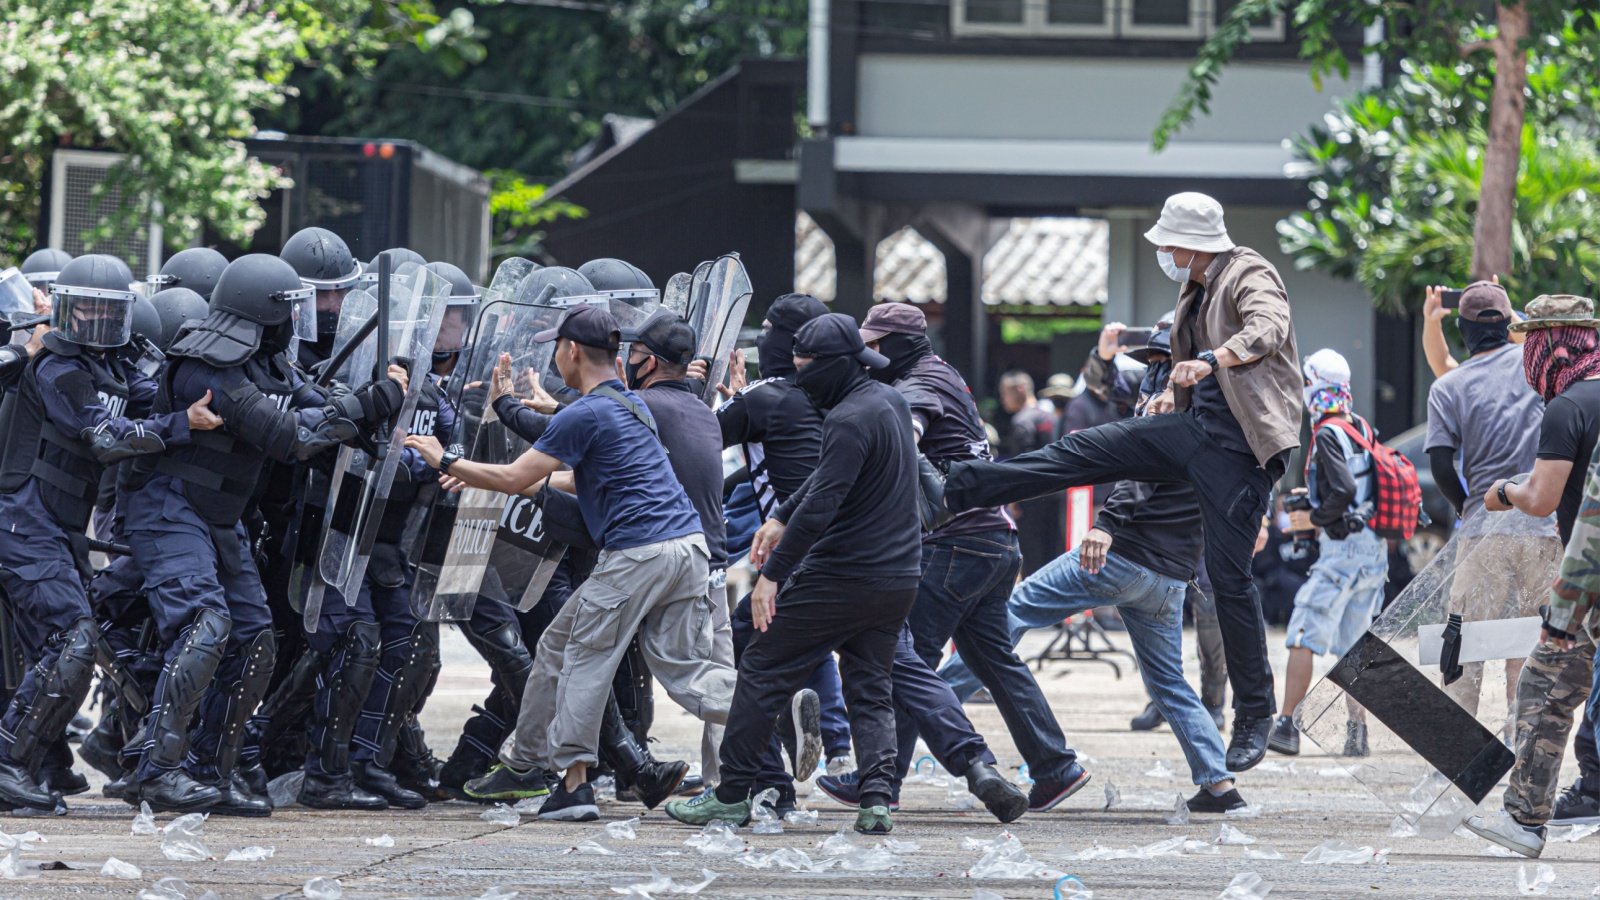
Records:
x=728, y=299
x=1437, y=748
x=676, y=294
x=360, y=484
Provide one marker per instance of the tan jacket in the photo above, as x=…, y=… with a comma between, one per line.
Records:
x=1246, y=310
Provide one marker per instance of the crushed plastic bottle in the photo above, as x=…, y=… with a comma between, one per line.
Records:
x=1071, y=887
x=144, y=821
x=250, y=854
x=1536, y=880
x=1228, y=835
x=169, y=888
x=1113, y=796
x=1246, y=886
x=181, y=839
x=530, y=805
x=285, y=789
x=1159, y=770
x=1005, y=857
x=717, y=839
x=765, y=818
x=323, y=889
x=605, y=787
x=800, y=817
x=1263, y=853
x=623, y=830
x=592, y=848
x=21, y=842
x=501, y=814
x=382, y=840
x=116, y=868
x=1179, y=814
x=1338, y=853
x=662, y=884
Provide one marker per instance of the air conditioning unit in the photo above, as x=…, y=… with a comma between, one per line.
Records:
x=76, y=210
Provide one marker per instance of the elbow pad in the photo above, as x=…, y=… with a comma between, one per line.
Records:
x=370, y=404
x=108, y=449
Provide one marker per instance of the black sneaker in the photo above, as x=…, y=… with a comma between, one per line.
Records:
x=1149, y=720
x=1355, y=739
x=1206, y=802
x=574, y=806
x=1047, y=793
x=1576, y=806
x=846, y=789
x=1248, y=746
x=509, y=785
x=1284, y=737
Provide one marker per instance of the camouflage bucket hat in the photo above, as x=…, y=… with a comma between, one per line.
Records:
x=1556, y=311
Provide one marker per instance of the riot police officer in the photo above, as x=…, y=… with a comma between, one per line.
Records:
x=196, y=269
x=43, y=265
x=78, y=408
x=325, y=264
x=183, y=517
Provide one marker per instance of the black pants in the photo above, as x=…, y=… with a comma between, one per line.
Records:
x=1233, y=491
x=858, y=617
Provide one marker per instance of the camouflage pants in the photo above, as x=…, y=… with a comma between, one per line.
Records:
x=1553, y=688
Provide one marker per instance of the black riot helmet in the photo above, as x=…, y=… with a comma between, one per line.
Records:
x=262, y=289
x=620, y=280
x=398, y=256
x=458, y=315
x=196, y=268
x=146, y=321
x=92, y=302
x=462, y=291
x=175, y=306
x=561, y=282
x=322, y=259
x=43, y=265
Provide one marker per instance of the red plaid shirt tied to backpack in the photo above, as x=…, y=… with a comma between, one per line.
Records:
x=1397, y=494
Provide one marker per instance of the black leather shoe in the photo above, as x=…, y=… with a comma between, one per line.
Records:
x=63, y=781
x=375, y=779
x=1249, y=743
x=255, y=777
x=454, y=775
x=239, y=800
x=656, y=781
x=999, y=796
x=1149, y=720
x=337, y=792
x=103, y=752
x=1285, y=737
x=116, y=788
x=691, y=786
x=418, y=775
x=18, y=789
x=173, y=791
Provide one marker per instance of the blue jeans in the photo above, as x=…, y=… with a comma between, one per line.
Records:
x=966, y=581
x=1152, y=608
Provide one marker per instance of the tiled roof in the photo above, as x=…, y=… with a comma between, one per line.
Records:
x=1035, y=262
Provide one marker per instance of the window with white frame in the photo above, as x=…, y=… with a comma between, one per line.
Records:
x=1133, y=19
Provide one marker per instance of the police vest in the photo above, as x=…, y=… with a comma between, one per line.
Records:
x=35, y=447
x=222, y=468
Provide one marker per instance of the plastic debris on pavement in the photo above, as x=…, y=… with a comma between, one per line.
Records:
x=623, y=830
x=717, y=839
x=1263, y=853
x=1179, y=814
x=853, y=857
x=499, y=893
x=1233, y=837
x=1246, y=886
x=1338, y=853
x=1569, y=833
x=21, y=842
x=323, y=889
x=791, y=859
x=605, y=787
x=170, y=888
x=1248, y=811
x=144, y=821
x=1169, y=847
x=762, y=814
x=1201, y=848
x=285, y=789
x=1113, y=796
x=894, y=845
x=116, y=868
x=1071, y=887
x=530, y=805
x=1536, y=880
x=382, y=840
x=800, y=817
x=11, y=868
x=662, y=884
x=592, y=848
x=250, y=854
x=1005, y=857
x=501, y=814
x=181, y=839
x=1159, y=770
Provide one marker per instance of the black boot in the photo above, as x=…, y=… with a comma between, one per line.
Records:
x=337, y=792
x=1285, y=737
x=651, y=781
x=55, y=772
x=102, y=749
x=375, y=779
x=999, y=796
x=1149, y=720
x=117, y=788
x=238, y=800
x=19, y=790
x=255, y=777
x=414, y=765
x=460, y=768
x=172, y=791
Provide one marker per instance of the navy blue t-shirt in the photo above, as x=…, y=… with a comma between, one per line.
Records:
x=626, y=489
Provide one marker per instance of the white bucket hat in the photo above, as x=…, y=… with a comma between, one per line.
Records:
x=1191, y=221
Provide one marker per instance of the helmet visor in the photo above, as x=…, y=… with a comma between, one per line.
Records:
x=93, y=318
x=303, y=312
x=455, y=327
x=16, y=294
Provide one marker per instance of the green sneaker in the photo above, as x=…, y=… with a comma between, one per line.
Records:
x=706, y=808
x=505, y=783
x=874, y=820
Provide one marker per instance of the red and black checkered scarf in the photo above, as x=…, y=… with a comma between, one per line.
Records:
x=1553, y=359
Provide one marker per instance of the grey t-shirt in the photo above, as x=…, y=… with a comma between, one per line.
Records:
x=1485, y=411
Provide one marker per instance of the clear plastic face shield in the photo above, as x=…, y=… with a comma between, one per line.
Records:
x=92, y=317
x=303, y=312
x=453, y=330
x=16, y=294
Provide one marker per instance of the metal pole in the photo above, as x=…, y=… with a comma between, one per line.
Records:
x=385, y=269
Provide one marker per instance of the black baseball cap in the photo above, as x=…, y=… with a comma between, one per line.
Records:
x=586, y=324
x=666, y=335
x=836, y=334
x=789, y=312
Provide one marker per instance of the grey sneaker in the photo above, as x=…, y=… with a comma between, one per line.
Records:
x=1502, y=829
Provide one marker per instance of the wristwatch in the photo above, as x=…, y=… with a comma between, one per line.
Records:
x=446, y=461
x=1501, y=492
x=1209, y=358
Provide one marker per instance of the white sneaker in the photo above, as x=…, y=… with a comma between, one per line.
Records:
x=1501, y=829
x=841, y=765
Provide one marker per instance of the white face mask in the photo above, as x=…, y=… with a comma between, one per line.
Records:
x=1169, y=266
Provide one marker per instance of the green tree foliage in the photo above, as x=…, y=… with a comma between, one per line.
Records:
x=1395, y=173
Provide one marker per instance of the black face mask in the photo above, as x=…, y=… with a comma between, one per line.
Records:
x=630, y=372
x=276, y=338
x=827, y=380
x=1482, y=336
x=775, y=349
x=903, y=351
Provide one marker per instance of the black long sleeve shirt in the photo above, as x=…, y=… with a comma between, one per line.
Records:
x=1334, y=488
